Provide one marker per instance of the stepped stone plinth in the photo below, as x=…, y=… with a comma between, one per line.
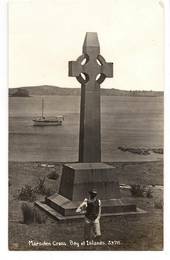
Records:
x=76, y=180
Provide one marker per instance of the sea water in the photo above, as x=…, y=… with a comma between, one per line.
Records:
x=125, y=121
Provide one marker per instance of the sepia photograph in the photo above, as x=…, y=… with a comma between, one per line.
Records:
x=86, y=125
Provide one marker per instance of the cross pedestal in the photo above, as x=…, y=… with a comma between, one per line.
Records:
x=77, y=179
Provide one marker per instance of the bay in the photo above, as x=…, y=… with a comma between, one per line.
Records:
x=125, y=121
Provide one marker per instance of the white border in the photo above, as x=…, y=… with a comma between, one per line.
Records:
x=167, y=129
x=4, y=253
x=3, y=129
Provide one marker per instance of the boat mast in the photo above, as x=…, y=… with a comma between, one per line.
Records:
x=42, y=107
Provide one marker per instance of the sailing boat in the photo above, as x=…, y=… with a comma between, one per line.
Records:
x=47, y=121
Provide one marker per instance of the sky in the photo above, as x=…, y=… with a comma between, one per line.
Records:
x=45, y=34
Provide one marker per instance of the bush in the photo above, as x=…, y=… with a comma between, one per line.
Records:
x=27, y=193
x=137, y=190
x=53, y=175
x=27, y=212
x=31, y=215
x=149, y=193
x=158, y=204
x=41, y=188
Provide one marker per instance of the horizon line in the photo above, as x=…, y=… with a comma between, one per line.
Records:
x=80, y=88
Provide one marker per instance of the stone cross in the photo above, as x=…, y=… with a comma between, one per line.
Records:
x=90, y=69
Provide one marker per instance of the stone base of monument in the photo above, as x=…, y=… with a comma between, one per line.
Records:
x=77, y=179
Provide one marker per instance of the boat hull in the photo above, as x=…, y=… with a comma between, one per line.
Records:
x=46, y=123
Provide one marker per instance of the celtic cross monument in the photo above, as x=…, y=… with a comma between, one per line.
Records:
x=90, y=69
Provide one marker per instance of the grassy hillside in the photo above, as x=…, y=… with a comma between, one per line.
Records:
x=53, y=90
x=139, y=232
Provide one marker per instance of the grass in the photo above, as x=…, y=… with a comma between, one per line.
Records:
x=144, y=232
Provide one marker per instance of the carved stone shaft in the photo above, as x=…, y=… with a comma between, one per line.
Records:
x=90, y=69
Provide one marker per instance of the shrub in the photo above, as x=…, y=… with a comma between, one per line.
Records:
x=48, y=192
x=41, y=188
x=27, y=193
x=27, y=212
x=149, y=193
x=158, y=204
x=31, y=215
x=137, y=190
x=53, y=175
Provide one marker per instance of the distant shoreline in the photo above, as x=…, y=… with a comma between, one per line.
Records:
x=47, y=90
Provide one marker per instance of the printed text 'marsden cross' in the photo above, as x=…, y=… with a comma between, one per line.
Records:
x=90, y=69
